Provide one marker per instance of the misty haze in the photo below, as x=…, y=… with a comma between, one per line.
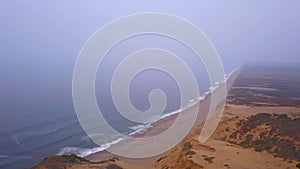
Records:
x=245, y=112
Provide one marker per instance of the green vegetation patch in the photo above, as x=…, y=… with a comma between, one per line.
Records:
x=278, y=134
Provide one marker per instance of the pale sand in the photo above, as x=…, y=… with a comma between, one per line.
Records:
x=256, y=88
x=245, y=111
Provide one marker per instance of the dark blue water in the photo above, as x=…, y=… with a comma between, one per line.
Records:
x=36, y=127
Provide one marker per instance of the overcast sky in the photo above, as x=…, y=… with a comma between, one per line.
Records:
x=46, y=36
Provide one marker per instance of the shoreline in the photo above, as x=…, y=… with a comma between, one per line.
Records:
x=161, y=124
x=229, y=145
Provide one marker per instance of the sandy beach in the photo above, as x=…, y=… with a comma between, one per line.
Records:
x=159, y=127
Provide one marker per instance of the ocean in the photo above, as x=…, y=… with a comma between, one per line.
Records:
x=38, y=117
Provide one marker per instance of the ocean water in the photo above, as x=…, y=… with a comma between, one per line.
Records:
x=35, y=127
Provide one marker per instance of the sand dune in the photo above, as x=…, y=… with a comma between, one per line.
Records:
x=216, y=153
